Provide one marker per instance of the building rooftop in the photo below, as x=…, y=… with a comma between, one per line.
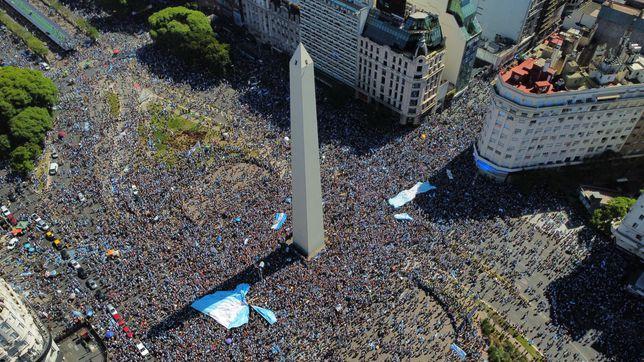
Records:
x=623, y=8
x=353, y=5
x=420, y=31
x=552, y=66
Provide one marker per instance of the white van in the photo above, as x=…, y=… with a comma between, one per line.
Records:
x=53, y=168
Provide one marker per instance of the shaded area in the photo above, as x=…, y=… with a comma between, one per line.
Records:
x=278, y=259
x=472, y=196
x=592, y=299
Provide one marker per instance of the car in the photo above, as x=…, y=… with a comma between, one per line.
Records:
x=128, y=332
x=100, y=295
x=59, y=244
x=40, y=223
x=53, y=168
x=142, y=350
x=12, y=220
x=65, y=254
x=49, y=235
x=81, y=197
x=91, y=284
x=74, y=264
x=12, y=197
x=54, y=154
x=44, y=66
x=82, y=273
x=12, y=243
x=5, y=211
x=111, y=309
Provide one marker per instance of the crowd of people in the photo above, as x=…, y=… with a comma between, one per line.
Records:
x=203, y=223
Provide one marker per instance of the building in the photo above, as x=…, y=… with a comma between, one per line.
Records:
x=461, y=30
x=517, y=22
x=395, y=7
x=22, y=336
x=616, y=21
x=550, y=111
x=273, y=22
x=550, y=18
x=593, y=197
x=629, y=234
x=400, y=63
x=584, y=19
x=329, y=29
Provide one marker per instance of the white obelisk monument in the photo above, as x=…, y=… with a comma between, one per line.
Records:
x=308, y=229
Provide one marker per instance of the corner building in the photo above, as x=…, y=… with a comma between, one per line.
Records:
x=400, y=63
x=22, y=336
x=548, y=111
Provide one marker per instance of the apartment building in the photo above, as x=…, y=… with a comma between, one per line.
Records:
x=629, y=234
x=329, y=29
x=400, y=63
x=549, y=18
x=22, y=336
x=273, y=22
x=549, y=111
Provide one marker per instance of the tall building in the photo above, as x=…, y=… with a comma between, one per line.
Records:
x=550, y=111
x=329, y=29
x=273, y=22
x=400, y=63
x=516, y=22
x=461, y=30
x=22, y=336
x=395, y=7
x=550, y=18
x=629, y=235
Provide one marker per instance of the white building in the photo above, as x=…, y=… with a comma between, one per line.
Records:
x=461, y=30
x=548, y=111
x=629, y=235
x=22, y=336
x=512, y=19
x=400, y=63
x=273, y=22
x=329, y=29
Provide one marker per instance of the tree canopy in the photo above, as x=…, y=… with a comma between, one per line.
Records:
x=188, y=34
x=26, y=99
x=21, y=88
x=614, y=210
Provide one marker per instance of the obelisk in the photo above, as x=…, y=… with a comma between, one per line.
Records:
x=308, y=228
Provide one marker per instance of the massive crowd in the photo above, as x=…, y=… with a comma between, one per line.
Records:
x=202, y=224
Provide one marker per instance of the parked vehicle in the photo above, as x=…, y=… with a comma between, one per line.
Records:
x=53, y=168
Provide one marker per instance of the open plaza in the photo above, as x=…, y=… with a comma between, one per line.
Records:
x=181, y=174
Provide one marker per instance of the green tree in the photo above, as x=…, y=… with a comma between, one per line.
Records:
x=21, y=88
x=188, y=34
x=487, y=327
x=30, y=125
x=5, y=146
x=22, y=159
x=614, y=210
x=496, y=354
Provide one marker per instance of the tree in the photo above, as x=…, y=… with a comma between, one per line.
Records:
x=614, y=210
x=5, y=146
x=30, y=125
x=487, y=327
x=189, y=35
x=21, y=88
x=26, y=98
x=22, y=159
